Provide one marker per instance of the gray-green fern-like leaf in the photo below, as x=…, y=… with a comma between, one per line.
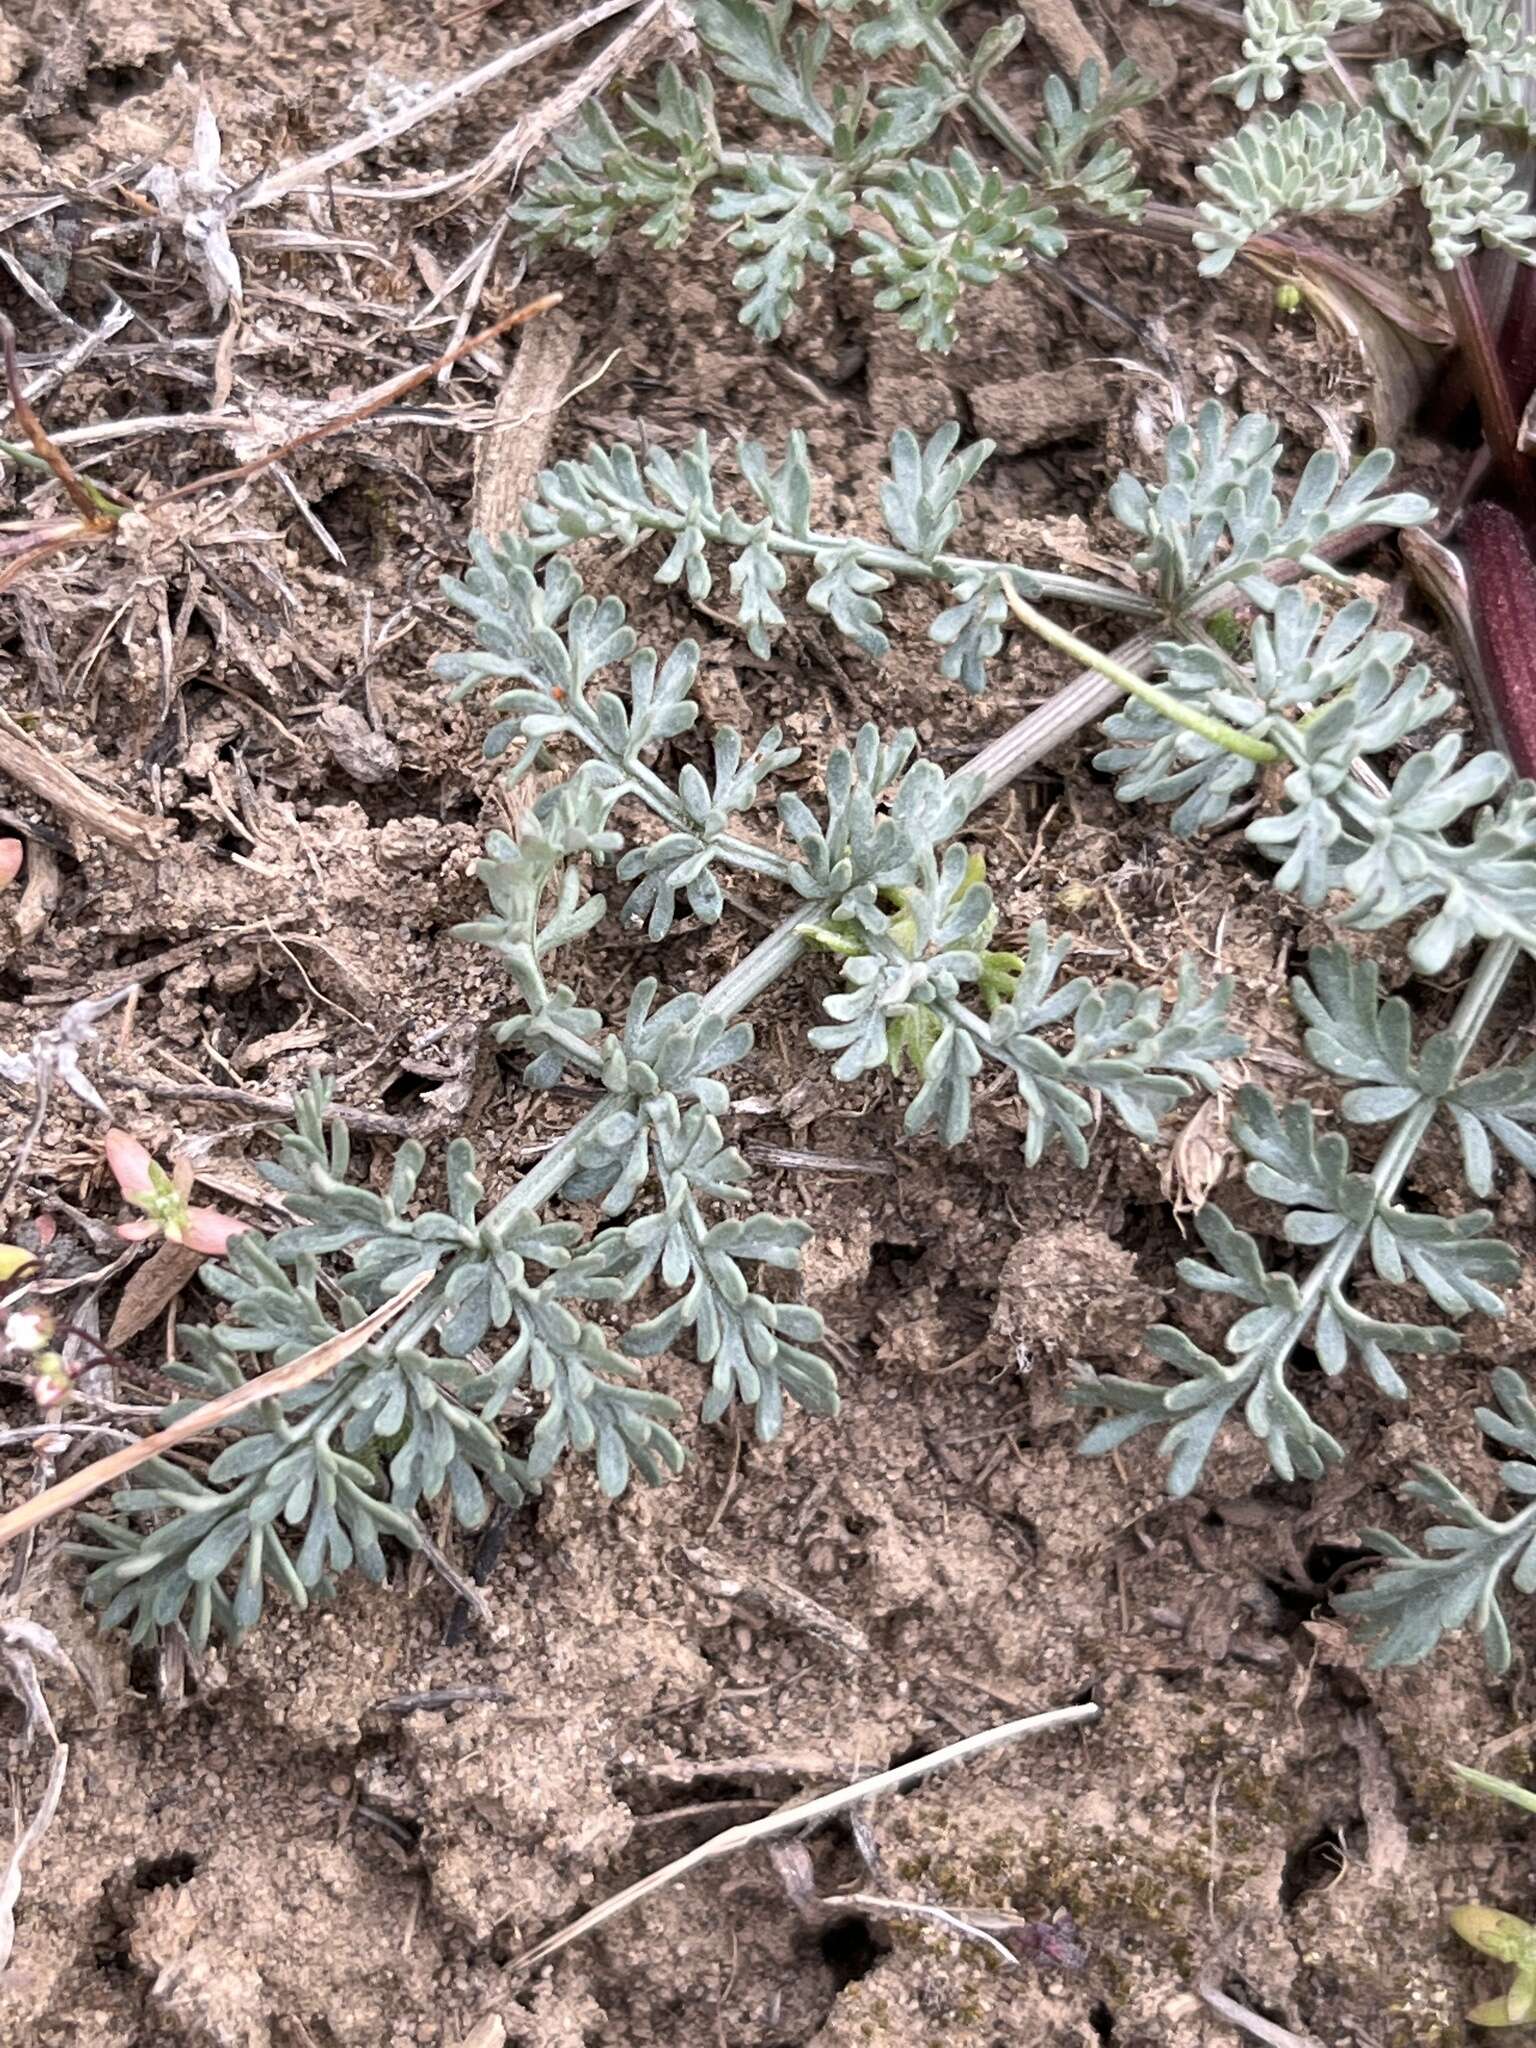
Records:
x=1341, y=1213
x=612, y=493
x=1432, y=845
x=1298, y=658
x=884, y=812
x=951, y=226
x=1317, y=160
x=1219, y=517
x=755, y=46
x=317, y=1480
x=788, y=205
x=1101, y=178
x=554, y=642
x=1285, y=36
x=1414, y=1600
x=595, y=175
x=784, y=218
x=926, y=986
x=1466, y=187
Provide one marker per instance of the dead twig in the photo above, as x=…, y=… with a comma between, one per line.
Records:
x=51, y=539
x=468, y=1592
x=279, y=1109
x=90, y=508
x=784, y=1603
x=26, y=1840
x=518, y=144
x=512, y=453
x=791, y=1818
x=1261, y=2029
x=444, y=1697
x=377, y=399
x=103, y=817
x=21, y=1643
x=267, y=1386
x=143, y=972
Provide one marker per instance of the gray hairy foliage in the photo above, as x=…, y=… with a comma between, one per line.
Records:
x=1448, y=842
x=949, y=225
x=924, y=985
x=1414, y=1600
x=1420, y=128
x=1349, y=1217
x=615, y=494
x=528, y=1344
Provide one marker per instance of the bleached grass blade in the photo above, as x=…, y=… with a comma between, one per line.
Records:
x=794, y=1817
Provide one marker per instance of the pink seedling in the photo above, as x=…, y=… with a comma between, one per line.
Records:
x=163, y=1198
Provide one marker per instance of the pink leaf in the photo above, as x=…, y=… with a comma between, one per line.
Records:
x=11, y=851
x=140, y=1231
x=129, y=1162
x=205, y=1230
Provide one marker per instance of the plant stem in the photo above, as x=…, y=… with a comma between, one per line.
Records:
x=1480, y=353
x=950, y=58
x=1212, y=729
x=737, y=852
x=1498, y=605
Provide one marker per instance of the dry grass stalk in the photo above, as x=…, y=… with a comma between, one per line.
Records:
x=25, y=1842
x=657, y=19
x=51, y=538
x=316, y=170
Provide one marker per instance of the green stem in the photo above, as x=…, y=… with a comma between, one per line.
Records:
x=1212, y=729
x=950, y=59
x=25, y=458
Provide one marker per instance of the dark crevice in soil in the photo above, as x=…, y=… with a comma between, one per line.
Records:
x=1102, y=2021
x=154, y=1873
x=910, y=1755
x=1326, y=1561
x=1316, y=1863
x=896, y=1263
x=851, y=1948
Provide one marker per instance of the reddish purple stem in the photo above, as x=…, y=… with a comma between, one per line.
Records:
x=1501, y=586
x=1517, y=338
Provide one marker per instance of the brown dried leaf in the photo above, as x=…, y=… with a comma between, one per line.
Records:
x=1385, y=329
x=512, y=453
x=1197, y=1158
x=40, y=895
x=358, y=751
x=152, y=1288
